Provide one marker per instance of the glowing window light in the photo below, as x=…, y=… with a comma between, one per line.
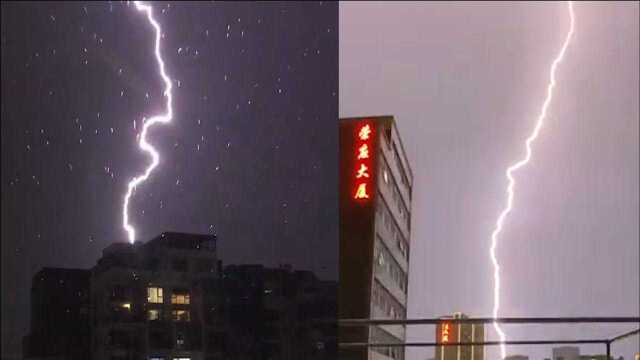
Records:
x=154, y=295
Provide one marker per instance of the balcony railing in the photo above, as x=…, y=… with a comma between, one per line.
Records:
x=607, y=342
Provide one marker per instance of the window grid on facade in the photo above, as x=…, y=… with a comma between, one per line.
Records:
x=180, y=298
x=386, y=219
x=385, y=263
x=181, y=315
x=380, y=336
x=154, y=314
x=385, y=302
x=390, y=183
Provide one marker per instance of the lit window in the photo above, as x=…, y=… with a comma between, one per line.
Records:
x=181, y=315
x=153, y=314
x=154, y=295
x=179, y=340
x=183, y=358
x=126, y=306
x=181, y=298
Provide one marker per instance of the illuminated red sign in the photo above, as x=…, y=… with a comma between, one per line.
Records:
x=445, y=329
x=362, y=169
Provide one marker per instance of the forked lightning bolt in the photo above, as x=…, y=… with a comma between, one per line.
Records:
x=512, y=182
x=164, y=118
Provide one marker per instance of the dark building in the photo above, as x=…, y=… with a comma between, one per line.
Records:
x=59, y=315
x=375, y=225
x=168, y=299
x=157, y=300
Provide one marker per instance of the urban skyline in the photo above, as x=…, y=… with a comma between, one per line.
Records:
x=179, y=179
x=465, y=84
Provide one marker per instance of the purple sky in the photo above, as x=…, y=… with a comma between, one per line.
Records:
x=466, y=83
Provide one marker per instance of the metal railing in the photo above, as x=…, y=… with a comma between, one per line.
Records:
x=507, y=320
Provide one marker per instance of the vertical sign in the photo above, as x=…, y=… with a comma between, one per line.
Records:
x=445, y=332
x=363, y=163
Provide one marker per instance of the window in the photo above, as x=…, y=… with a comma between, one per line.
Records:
x=118, y=292
x=181, y=315
x=183, y=358
x=154, y=314
x=179, y=340
x=180, y=298
x=154, y=295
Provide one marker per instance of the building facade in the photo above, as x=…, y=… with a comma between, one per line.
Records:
x=451, y=332
x=275, y=313
x=170, y=299
x=157, y=300
x=565, y=353
x=516, y=357
x=60, y=327
x=375, y=226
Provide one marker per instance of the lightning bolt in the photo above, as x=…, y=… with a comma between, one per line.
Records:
x=164, y=118
x=512, y=181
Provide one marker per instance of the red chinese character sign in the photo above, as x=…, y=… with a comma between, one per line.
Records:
x=445, y=332
x=363, y=164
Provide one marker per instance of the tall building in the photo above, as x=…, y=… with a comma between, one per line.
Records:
x=59, y=315
x=170, y=299
x=157, y=300
x=450, y=332
x=375, y=225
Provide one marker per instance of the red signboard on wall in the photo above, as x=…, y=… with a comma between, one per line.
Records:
x=365, y=132
x=445, y=332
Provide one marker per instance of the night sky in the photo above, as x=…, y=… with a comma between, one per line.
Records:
x=251, y=154
x=466, y=83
